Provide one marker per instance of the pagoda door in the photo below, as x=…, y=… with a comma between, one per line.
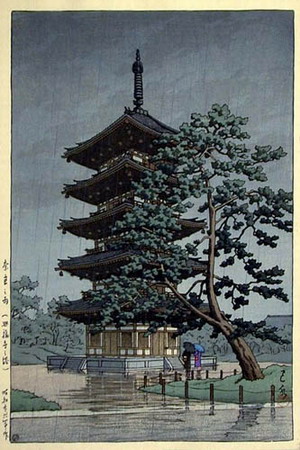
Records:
x=110, y=344
x=158, y=344
x=114, y=343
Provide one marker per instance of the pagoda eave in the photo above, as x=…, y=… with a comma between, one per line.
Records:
x=90, y=312
x=104, y=186
x=114, y=181
x=99, y=266
x=99, y=225
x=95, y=266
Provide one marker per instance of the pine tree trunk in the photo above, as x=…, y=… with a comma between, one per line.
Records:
x=245, y=356
x=247, y=361
x=249, y=365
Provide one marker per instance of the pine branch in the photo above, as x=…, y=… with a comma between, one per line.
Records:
x=217, y=208
x=192, y=308
x=194, y=285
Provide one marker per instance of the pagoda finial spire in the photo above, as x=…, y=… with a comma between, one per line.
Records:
x=137, y=69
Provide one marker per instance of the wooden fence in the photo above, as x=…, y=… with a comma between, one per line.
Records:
x=180, y=376
x=164, y=379
x=150, y=381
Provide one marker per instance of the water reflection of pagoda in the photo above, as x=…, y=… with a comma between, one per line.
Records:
x=119, y=155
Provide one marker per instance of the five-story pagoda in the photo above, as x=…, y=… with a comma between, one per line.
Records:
x=119, y=154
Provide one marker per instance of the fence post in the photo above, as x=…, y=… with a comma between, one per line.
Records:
x=163, y=387
x=206, y=374
x=211, y=399
x=234, y=372
x=211, y=394
x=241, y=395
x=192, y=374
x=145, y=381
x=221, y=374
x=175, y=376
x=272, y=394
x=214, y=363
x=186, y=388
x=160, y=378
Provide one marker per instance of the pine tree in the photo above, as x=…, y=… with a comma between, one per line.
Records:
x=205, y=168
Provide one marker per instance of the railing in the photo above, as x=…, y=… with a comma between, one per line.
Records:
x=127, y=197
x=116, y=201
x=135, y=156
x=55, y=362
x=75, y=363
x=133, y=364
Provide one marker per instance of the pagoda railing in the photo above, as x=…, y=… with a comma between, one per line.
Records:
x=116, y=201
x=135, y=156
x=90, y=251
x=127, y=197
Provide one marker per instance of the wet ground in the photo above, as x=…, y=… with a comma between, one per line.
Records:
x=163, y=424
x=119, y=412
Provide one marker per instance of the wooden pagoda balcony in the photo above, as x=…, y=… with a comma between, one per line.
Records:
x=127, y=197
x=134, y=155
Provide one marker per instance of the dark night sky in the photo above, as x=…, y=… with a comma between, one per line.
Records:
x=72, y=77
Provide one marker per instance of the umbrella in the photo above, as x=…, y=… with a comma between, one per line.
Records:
x=189, y=347
x=199, y=348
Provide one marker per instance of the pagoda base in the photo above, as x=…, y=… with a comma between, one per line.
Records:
x=111, y=364
x=126, y=365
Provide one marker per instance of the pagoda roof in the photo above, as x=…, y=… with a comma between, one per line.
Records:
x=99, y=225
x=88, y=311
x=97, y=266
x=96, y=150
x=116, y=177
x=150, y=122
x=94, y=258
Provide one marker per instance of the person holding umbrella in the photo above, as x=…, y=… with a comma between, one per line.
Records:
x=199, y=349
x=189, y=350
